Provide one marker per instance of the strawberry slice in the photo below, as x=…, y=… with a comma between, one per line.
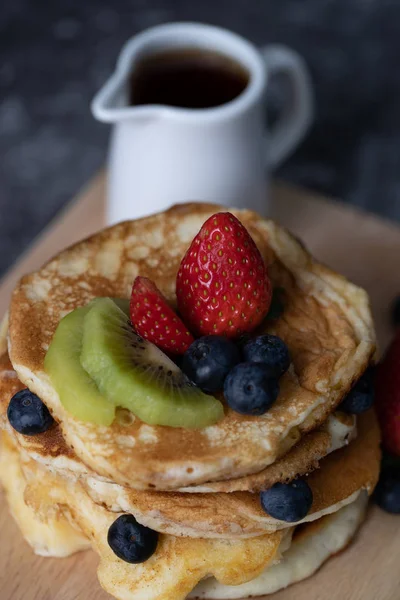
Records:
x=222, y=284
x=155, y=320
x=387, y=390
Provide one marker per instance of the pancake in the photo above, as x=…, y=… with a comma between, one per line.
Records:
x=243, y=568
x=215, y=515
x=337, y=431
x=326, y=324
x=51, y=449
x=311, y=546
x=55, y=534
x=48, y=448
x=339, y=480
x=178, y=564
x=3, y=334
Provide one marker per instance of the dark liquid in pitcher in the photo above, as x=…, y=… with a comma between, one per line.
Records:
x=187, y=78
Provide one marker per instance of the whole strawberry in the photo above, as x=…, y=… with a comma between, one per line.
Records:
x=387, y=390
x=155, y=320
x=222, y=285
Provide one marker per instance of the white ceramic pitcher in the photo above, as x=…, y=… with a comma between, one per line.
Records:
x=162, y=155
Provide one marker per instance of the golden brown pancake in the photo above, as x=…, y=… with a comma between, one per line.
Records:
x=51, y=449
x=51, y=535
x=339, y=480
x=337, y=431
x=3, y=334
x=326, y=324
x=178, y=564
x=212, y=515
x=251, y=567
x=312, y=544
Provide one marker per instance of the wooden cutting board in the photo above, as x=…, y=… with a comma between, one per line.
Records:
x=364, y=248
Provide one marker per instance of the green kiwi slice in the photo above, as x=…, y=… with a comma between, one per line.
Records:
x=133, y=373
x=77, y=391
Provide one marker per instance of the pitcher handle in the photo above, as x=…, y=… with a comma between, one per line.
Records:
x=297, y=116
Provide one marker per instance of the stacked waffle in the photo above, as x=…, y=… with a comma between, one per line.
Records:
x=198, y=488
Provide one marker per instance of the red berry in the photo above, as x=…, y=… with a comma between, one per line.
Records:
x=155, y=320
x=222, y=285
x=387, y=390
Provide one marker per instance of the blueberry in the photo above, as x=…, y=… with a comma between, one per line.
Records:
x=269, y=350
x=208, y=361
x=131, y=541
x=249, y=389
x=289, y=502
x=27, y=413
x=361, y=397
x=387, y=492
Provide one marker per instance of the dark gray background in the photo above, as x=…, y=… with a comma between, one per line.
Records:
x=54, y=55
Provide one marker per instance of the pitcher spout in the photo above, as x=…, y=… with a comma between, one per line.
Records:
x=111, y=104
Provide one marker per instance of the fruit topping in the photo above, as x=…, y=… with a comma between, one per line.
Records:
x=269, y=350
x=289, y=502
x=249, y=389
x=77, y=391
x=27, y=414
x=208, y=361
x=387, y=492
x=133, y=373
x=222, y=284
x=361, y=396
x=387, y=390
x=130, y=541
x=154, y=319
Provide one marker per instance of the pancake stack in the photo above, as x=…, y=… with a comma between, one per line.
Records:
x=198, y=488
